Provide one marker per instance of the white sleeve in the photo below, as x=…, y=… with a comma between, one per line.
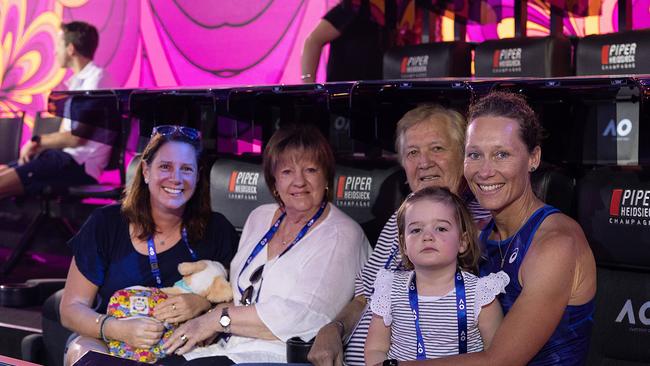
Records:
x=487, y=289
x=380, y=300
x=325, y=283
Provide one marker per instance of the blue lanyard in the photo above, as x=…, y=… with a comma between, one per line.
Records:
x=461, y=309
x=153, y=258
x=269, y=234
x=391, y=257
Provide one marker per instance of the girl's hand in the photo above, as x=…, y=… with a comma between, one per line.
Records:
x=136, y=332
x=191, y=333
x=179, y=308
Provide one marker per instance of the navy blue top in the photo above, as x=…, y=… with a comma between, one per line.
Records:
x=105, y=255
x=569, y=342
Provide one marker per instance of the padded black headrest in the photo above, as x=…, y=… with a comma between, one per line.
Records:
x=428, y=60
x=540, y=57
x=613, y=207
x=237, y=186
x=369, y=192
x=614, y=54
x=554, y=186
x=621, y=332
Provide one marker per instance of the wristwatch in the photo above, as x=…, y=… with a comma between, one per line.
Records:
x=224, y=320
x=390, y=362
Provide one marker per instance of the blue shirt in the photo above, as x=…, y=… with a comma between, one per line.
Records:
x=105, y=255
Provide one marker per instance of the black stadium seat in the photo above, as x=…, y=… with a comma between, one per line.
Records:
x=614, y=211
x=237, y=187
x=508, y=57
x=555, y=186
x=11, y=128
x=369, y=192
x=614, y=54
x=429, y=60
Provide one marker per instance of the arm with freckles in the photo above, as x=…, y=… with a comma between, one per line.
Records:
x=547, y=274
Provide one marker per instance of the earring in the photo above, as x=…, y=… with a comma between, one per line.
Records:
x=533, y=168
x=146, y=181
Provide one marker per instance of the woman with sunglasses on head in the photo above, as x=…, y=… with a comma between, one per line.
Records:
x=296, y=262
x=163, y=220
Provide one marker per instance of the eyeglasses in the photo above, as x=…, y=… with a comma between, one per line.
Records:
x=166, y=130
x=247, y=295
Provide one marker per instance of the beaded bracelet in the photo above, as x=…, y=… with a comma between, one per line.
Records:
x=101, y=328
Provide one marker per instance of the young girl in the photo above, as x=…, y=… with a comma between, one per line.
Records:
x=437, y=307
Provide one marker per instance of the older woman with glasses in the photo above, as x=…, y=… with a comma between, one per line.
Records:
x=164, y=219
x=295, y=266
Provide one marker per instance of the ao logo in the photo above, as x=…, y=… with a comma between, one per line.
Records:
x=622, y=129
x=628, y=311
x=341, y=123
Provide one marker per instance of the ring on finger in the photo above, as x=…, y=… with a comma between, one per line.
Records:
x=173, y=307
x=183, y=338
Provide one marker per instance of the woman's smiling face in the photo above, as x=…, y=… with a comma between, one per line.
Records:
x=172, y=176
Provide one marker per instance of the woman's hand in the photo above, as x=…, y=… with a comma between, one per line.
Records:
x=136, y=332
x=191, y=333
x=179, y=308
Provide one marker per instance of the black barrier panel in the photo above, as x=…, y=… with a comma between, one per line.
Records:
x=589, y=120
x=621, y=332
x=376, y=107
x=537, y=57
x=621, y=53
x=269, y=107
x=614, y=211
x=429, y=60
x=369, y=191
x=93, y=115
x=193, y=108
x=339, y=119
x=237, y=187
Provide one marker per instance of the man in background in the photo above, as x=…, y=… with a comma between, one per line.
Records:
x=62, y=159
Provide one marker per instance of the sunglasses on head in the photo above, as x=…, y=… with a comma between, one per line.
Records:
x=247, y=295
x=166, y=130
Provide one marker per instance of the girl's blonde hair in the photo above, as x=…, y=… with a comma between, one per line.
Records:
x=467, y=260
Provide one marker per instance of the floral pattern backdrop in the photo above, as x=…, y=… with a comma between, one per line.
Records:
x=145, y=43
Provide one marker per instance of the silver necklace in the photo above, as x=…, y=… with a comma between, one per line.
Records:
x=503, y=257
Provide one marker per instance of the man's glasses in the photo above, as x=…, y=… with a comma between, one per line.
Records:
x=247, y=295
x=166, y=130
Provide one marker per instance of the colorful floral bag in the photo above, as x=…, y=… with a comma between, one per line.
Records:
x=132, y=302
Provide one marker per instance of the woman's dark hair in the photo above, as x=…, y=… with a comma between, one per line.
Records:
x=136, y=205
x=83, y=36
x=513, y=106
x=305, y=139
x=467, y=260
